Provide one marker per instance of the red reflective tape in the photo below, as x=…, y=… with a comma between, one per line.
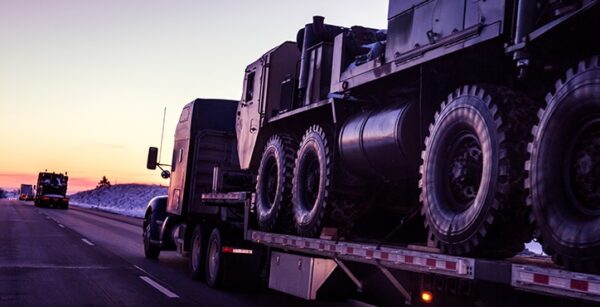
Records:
x=541, y=279
x=409, y=259
x=350, y=250
x=384, y=255
x=430, y=262
x=227, y=249
x=580, y=285
x=450, y=265
x=369, y=253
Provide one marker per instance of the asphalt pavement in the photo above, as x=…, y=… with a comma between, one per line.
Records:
x=74, y=257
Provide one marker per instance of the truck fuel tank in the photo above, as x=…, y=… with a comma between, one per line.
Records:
x=382, y=143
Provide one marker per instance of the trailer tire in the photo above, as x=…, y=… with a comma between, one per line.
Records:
x=311, y=184
x=274, y=183
x=564, y=170
x=197, y=254
x=471, y=177
x=151, y=250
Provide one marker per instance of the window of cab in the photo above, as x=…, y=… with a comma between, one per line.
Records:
x=185, y=114
x=250, y=87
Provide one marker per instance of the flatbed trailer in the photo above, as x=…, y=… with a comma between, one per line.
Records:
x=440, y=276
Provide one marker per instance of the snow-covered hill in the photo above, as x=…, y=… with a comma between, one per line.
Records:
x=125, y=199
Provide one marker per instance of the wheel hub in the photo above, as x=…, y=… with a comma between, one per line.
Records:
x=464, y=169
x=584, y=168
x=271, y=182
x=212, y=259
x=311, y=177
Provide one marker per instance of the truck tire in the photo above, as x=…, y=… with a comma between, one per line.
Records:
x=197, y=254
x=274, y=183
x=215, y=262
x=311, y=183
x=151, y=250
x=471, y=177
x=564, y=170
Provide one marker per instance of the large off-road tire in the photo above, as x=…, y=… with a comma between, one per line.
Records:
x=274, y=183
x=311, y=184
x=564, y=170
x=151, y=250
x=471, y=177
x=197, y=254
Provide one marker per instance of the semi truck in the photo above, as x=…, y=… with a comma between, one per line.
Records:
x=52, y=190
x=26, y=192
x=418, y=158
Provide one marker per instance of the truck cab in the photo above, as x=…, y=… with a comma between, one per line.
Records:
x=52, y=190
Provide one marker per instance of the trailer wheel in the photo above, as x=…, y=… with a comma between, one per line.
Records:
x=197, y=254
x=564, y=170
x=311, y=184
x=471, y=178
x=274, y=183
x=151, y=250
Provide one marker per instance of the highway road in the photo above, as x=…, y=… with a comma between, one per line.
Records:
x=54, y=257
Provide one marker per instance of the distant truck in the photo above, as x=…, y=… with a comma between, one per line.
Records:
x=26, y=192
x=52, y=190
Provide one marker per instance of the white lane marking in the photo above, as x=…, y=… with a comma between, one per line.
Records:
x=61, y=225
x=158, y=287
x=88, y=242
x=144, y=271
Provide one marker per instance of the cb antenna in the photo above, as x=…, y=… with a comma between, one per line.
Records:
x=162, y=134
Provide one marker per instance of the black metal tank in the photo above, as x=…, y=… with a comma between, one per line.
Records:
x=382, y=143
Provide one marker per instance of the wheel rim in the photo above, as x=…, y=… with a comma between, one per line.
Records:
x=269, y=190
x=213, y=259
x=310, y=174
x=196, y=253
x=147, y=237
x=582, y=165
x=463, y=170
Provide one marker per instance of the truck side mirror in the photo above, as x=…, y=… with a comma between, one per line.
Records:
x=152, y=156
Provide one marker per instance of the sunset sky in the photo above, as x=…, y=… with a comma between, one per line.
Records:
x=83, y=84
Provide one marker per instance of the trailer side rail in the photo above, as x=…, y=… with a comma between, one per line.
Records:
x=400, y=258
x=556, y=282
x=525, y=277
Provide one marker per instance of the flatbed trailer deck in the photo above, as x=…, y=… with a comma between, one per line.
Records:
x=536, y=274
